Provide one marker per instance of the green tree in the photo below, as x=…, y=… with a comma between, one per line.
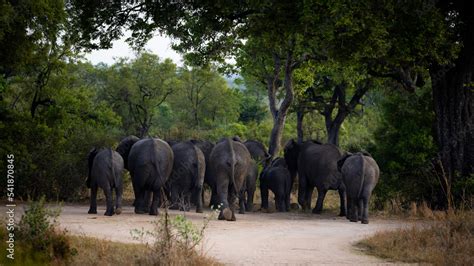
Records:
x=51, y=148
x=404, y=146
x=137, y=88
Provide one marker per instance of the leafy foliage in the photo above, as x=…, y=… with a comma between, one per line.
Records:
x=404, y=147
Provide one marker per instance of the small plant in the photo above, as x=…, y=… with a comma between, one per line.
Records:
x=175, y=239
x=38, y=229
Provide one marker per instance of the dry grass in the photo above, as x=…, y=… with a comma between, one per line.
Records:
x=91, y=251
x=449, y=240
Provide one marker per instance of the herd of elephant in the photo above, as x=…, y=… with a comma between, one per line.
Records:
x=178, y=170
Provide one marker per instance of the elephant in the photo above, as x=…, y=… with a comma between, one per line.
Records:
x=105, y=171
x=248, y=190
x=229, y=163
x=206, y=148
x=257, y=150
x=259, y=154
x=279, y=162
x=278, y=180
x=150, y=162
x=187, y=177
x=316, y=165
x=360, y=174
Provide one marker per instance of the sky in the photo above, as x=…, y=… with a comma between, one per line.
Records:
x=160, y=45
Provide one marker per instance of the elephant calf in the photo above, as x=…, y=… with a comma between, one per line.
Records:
x=105, y=171
x=278, y=180
x=360, y=174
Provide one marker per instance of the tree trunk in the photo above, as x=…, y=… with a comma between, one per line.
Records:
x=453, y=103
x=280, y=117
x=333, y=132
x=299, y=125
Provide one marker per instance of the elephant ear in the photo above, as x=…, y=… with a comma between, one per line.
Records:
x=341, y=161
x=90, y=161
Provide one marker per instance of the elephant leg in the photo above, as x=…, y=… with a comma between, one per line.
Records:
x=349, y=207
x=93, y=207
x=109, y=201
x=353, y=206
x=223, y=192
x=155, y=202
x=186, y=206
x=249, y=205
x=280, y=203
x=302, y=188
x=147, y=201
x=242, y=202
x=319, y=203
x=232, y=200
x=215, y=201
x=197, y=193
x=174, y=198
x=365, y=210
x=287, y=202
x=342, y=197
x=118, y=199
x=264, y=195
x=140, y=201
x=308, y=196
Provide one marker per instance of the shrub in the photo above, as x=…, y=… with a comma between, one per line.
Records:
x=38, y=227
x=175, y=241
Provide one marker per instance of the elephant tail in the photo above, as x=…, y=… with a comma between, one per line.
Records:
x=154, y=161
x=112, y=168
x=90, y=162
x=232, y=165
x=362, y=172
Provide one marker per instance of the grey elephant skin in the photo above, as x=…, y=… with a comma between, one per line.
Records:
x=360, y=174
x=316, y=165
x=276, y=178
x=257, y=150
x=248, y=190
x=259, y=154
x=105, y=171
x=229, y=162
x=187, y=178
x=150, y=162
x=206, y=148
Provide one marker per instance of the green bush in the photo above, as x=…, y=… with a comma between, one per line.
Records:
x=38, y=240
x=404, y=146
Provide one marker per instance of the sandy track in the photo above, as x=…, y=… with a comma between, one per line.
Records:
x=255, y=238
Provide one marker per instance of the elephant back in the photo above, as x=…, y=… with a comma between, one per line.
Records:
x=319, y=164
x=154, y=155
x=232, y=157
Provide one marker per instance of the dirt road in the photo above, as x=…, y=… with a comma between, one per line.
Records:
x=255, y=238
